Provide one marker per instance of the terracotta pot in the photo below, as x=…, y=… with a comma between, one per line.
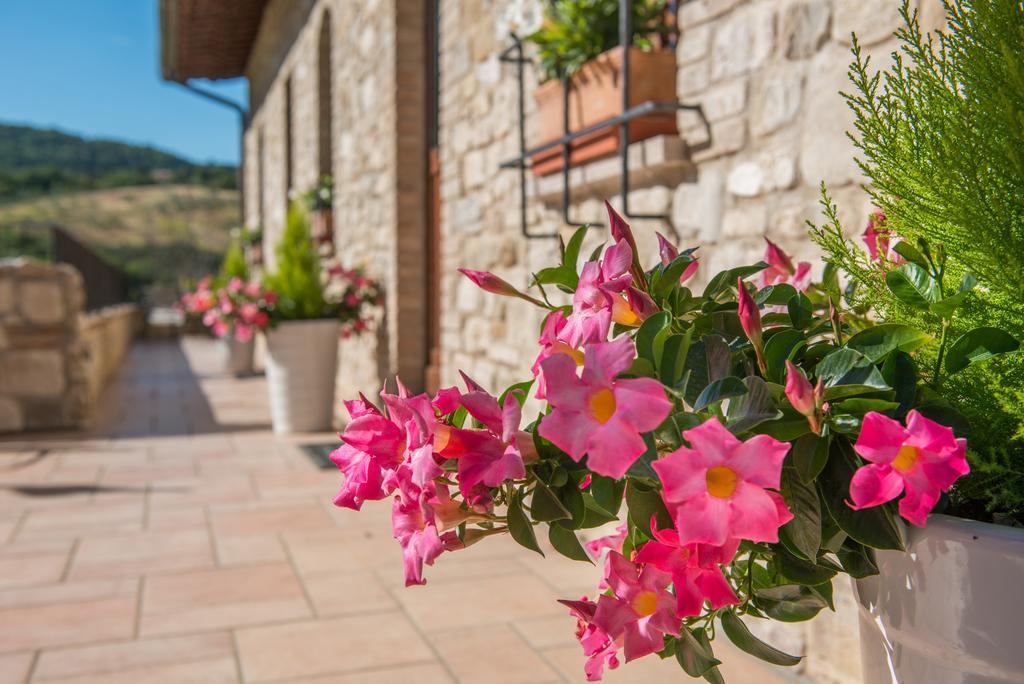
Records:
x=948, y=611
x=302, y=357
x=595, y=94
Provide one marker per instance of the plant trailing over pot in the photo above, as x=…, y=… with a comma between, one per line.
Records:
x=755, y=443
x=940, y=133
x=576, y=31
x=321, y=196
x=580, y=43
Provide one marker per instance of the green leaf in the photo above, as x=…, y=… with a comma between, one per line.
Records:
x=712, y=675
x=671, y=274
x=790, y=603
x=946, y=307
x=740, y=635
x=643, y=503
x=567, y=543
x=693, y=657
x=775, y=295
x=522, y=387
x=730, y=386
x=801, y=311
x=810, y=453
x=862, y=406
x=913, y=286
x=874, y=527
x=899, y=372
x=519, y=525
x=647, y=332
x=673, y=358
x=787, y=429
x=802, y=571
x=709, y=359
x=727, y=279
x=910, y=253
x=782, y=347
x=572, y=250
x=641, y=467
x=753, y=408
x=858, y=561
x=594, y=514
x=802, y=534
x=607, y=492
x=881, y=340
x=977, y=345
x=850, y=367
x=545, y=505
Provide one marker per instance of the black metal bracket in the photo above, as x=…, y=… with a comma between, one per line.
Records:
x=514, y=55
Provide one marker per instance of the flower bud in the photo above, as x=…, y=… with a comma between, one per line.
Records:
x=750, y=319
x=489, y=282
x=799, y=390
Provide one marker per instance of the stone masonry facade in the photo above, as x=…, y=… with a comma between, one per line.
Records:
x=766, y=73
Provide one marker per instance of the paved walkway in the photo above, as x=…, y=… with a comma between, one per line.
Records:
x=182, y=542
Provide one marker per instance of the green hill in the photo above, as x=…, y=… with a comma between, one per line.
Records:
x=36, y=161
x=157, y=216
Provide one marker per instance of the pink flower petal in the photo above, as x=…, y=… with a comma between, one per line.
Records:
x=754, y=514
x=642, y=402
x=682, y=474
x=873, y=485
x=880, y=438
x=605, y=360
x=759, y=460
x=568, y=431
x=712, y=442
x=704, y=519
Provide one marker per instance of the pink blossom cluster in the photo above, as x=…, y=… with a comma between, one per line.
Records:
x=353, y=293
x=238, y=309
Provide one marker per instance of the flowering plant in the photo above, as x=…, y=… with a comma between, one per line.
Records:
x=754, y=439
x=352, y=293
x=320, y=196
x=238, y=309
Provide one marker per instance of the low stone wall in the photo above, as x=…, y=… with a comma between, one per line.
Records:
x=107, y=335
x=53, y=357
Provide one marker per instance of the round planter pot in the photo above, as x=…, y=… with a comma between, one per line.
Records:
x=237, y=357
x=948, y=611
x=302, y=357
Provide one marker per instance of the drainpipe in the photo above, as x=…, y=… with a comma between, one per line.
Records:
x=243, y=118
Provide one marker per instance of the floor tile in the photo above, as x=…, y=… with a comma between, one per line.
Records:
x=225, y=597
x=513, y=662
x=59, y=624
x=269, y=517
x=323, y=647
x=115, y=658
x=412, y=674
x=142, y=554
x=249, y=549
x=335, y=593
x=14, y=668
x=26, y=570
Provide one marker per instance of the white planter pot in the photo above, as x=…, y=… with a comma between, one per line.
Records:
x=302, y=358
x=236, y=357
x=950, y=610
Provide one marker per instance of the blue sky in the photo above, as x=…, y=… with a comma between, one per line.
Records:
x=91, y=67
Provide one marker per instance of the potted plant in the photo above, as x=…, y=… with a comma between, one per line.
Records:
x=752, y=437
x=319, y=201
x=314, y=306
x=579, y=42
x=939, y=134
x=252, y=242
x=233, y=313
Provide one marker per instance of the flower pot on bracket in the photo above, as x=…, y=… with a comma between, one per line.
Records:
x=237, y=357
x=595, y=94
x=302, y=358
x=949, y=610
x=322, y=228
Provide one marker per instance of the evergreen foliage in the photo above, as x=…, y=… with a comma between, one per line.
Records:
x=297, y=279
x=941, y=137
x=234, y=265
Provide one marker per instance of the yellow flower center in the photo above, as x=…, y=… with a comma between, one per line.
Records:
x=721, y=481
x=645, y=603
x=562, y=348
x=602, y=405
x=623, y=313
x=905, y=458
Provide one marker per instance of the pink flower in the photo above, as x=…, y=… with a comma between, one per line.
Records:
x=243, y=332
x=598, y=415
x=487, y=458
x=413, y=525
x=717, y=487
x=807, y=400
x=750, y=320
x=364, y=472
x=878, y=238
x=922, y=459
x=253, y=290
x=599, y=298
x=621, y=232
x=640, y=610
x=236, y=285
x=695, y=568
x=668, y=253
x=551, y=343
x=781, y=270
x=598, y=646
x=613, y=542
x=489, y=282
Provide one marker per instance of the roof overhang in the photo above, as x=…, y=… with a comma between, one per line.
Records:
x=207, y=38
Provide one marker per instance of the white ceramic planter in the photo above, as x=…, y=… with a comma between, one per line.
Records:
x=302, y=358
x=950, y=610
x=237, y=357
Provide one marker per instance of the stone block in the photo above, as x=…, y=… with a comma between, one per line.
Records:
x=32, y=373
x=872, y=20
x=804, y=28
x=727, y=137
x=826, y=154
x=41, y=301
x=473, y=169
x=10, y=416
x=693, y=13
x=778, y=101
x=467, y=215
x=748, y=220
x=693, y=78
x=693, y=44
x=743, y=41
x=724, y=100
x=746, y=180
x=697, y=208
x=468, y=297
x=6, y=295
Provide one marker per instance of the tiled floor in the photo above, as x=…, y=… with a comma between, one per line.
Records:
x=180, y=541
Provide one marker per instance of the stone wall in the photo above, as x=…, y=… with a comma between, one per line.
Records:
x=54, y=360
